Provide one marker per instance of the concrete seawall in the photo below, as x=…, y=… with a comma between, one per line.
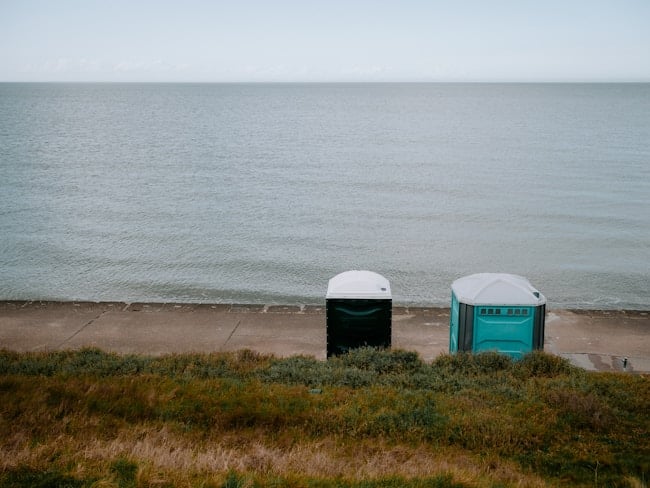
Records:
x=594, y=340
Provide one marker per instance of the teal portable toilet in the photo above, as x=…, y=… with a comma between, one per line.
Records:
x=496, y=312
x=358, y=311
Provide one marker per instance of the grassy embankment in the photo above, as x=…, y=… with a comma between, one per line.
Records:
x=369, y=419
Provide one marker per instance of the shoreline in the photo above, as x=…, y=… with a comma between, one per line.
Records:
x=597, y=340
x=289, y=308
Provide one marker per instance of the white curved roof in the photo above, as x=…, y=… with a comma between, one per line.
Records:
x=359, y=284
x=496, y=289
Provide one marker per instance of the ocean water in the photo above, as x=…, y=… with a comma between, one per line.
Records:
x=259, y=193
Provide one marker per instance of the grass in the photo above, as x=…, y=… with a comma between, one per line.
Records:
x=367, y=419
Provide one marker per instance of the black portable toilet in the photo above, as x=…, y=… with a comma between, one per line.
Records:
x=496, y=312
x=359, y=311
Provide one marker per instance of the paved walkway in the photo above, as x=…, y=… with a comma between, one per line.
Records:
x=594, y=340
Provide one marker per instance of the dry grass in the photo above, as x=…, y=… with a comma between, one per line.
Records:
x=163, y=454
x=369, y=419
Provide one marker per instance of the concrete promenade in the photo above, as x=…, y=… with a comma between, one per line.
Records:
x=594, y=340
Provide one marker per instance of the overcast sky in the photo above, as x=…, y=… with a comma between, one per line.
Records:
x=329, y=40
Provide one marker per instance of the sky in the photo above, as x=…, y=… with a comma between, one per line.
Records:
x=328, y=41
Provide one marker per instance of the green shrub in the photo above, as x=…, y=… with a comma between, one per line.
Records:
x=580, y=410
x=125, y=472
x=468, y=364
x=233, y=480
x=551, y=419
x=297, y=370
x=30, y=478
x=382, y=361
x=541, y=364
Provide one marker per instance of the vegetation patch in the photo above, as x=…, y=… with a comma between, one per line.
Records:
x=371, y=418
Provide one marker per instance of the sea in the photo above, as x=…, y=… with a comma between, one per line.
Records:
x=262, y=192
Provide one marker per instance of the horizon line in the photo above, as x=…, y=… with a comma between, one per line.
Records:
x=315, y=82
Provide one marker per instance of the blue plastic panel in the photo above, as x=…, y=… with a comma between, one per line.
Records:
x=507, y=330
x=453, y=324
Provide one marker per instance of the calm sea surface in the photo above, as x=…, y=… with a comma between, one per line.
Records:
x=260, y=193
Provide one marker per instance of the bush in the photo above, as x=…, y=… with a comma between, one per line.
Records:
x=468, y=364
x=125, y=472
x=541, y=364
x=539, y=413
x=580, y=410
x=29, y=478
x=382, y=361
x=297, y=370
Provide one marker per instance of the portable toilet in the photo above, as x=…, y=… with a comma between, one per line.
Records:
x=496, y=312
x=358, y=311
